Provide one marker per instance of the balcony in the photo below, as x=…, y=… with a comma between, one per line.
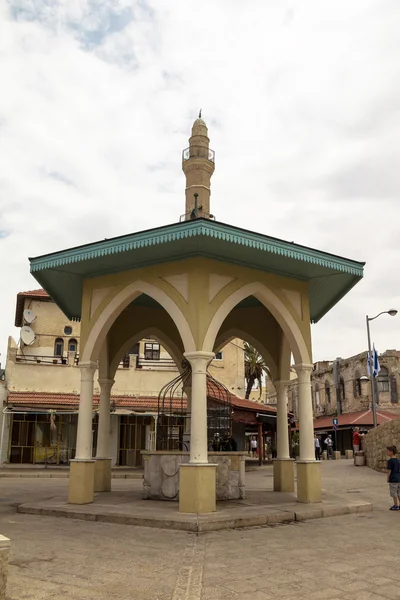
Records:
x=198, y=152
x=46, y=359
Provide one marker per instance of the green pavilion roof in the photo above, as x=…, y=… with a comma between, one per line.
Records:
x=61, y=273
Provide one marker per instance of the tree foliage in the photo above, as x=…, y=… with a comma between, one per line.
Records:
x=254, y=367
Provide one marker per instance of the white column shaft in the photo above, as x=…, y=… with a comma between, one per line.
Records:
x=282, y=427
x=103, y=434
x=188, y=392
x=306, y=417
x=85, y=416
x=199, y=362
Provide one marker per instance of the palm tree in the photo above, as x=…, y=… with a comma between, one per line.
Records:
x=254, y=367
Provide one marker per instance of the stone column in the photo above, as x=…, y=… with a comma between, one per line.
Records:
x=186, y=433
x=81, y=477
x=102, y=475
x=309, y=487
x=283, y=464
x=4, y=556
x=197, y=493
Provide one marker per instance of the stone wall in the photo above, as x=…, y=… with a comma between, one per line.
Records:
x=375, y=442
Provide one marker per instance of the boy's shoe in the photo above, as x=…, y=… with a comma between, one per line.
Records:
x=394, y=507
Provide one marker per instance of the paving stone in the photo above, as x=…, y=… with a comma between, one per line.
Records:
x=346, y=557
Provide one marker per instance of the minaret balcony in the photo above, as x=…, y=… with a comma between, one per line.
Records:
x=198, y=152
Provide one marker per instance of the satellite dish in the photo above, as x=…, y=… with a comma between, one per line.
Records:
x=27, y=335
x=29, y=316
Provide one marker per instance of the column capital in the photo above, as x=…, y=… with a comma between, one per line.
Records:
x=303, y=367
x=105, y=381
x=90, y=364
x=199, y=361
x=281, y=383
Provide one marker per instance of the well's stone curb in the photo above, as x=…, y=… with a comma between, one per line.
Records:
x=201, y=523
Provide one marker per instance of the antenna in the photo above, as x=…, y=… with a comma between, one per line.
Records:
x=200, y=114
x=27, y=335
x=29, y=316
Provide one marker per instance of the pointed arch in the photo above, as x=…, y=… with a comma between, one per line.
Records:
x=150, y=332
x=275, y=306
x=227, y=336
x=127, y=295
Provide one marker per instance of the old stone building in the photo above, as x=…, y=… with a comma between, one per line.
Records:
x=344, y=386
x=341, y=389
x=39, y=388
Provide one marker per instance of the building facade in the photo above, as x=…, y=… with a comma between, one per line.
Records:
x=341, y=389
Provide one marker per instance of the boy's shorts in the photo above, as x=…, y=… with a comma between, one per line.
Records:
x=394, y=489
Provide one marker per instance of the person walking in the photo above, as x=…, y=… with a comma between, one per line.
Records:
x=329, y=446
x=254, y=447
x=317, y=446
x=393, y=470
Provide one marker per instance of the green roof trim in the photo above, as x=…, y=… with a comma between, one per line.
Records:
x=329, y=276
x=198, y=227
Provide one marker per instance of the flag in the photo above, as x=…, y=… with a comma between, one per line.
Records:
x=369, y=364
x=375, y=362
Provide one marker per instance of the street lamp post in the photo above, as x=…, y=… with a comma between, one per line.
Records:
x=392, y=312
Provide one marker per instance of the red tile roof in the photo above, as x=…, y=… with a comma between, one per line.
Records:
x=35, y=293
x=140, y=403
x=363, y=417
x=21, y=297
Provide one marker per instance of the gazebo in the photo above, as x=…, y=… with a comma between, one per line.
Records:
x=194, y=285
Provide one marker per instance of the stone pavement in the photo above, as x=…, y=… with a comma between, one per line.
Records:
x=354, y=557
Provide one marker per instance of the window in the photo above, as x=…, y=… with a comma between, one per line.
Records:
x=383, y=380
x=72, y=345
x=342, y=389
x=67, y=330
x=151, y=351
x=357, y=384
x=59, y=347
x=317, y=398
x=327, y=392
x=218, y=356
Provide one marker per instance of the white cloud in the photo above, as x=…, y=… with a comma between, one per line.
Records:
x=301, y=99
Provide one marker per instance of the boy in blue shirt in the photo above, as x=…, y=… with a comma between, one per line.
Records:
x=393, y=466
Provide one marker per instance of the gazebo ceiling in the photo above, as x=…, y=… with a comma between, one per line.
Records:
x=62, y=273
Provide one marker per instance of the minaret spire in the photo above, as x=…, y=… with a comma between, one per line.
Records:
x=198, y=166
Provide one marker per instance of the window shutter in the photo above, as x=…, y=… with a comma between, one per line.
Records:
x=394, y=397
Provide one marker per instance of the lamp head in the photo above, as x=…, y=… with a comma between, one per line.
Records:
x=392, y=312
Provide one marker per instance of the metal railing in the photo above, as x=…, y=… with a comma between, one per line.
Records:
x=162, y=363
x=189, y=216
x=198, y=152
x=44, y=359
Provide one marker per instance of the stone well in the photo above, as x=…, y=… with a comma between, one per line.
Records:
x=161, y=474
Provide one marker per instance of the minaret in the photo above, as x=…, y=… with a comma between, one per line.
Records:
x=198, y=166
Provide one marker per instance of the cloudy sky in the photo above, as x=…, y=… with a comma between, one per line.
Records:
x=302, y=101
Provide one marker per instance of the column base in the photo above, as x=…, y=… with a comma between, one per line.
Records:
x=283, y=475
x=81, y=481
x=309, y=486
x=102, y=475
x=197, y=488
